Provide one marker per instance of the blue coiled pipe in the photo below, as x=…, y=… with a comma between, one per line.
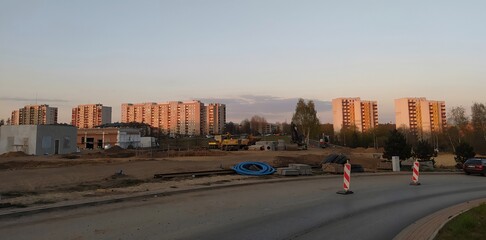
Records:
x=243, y=168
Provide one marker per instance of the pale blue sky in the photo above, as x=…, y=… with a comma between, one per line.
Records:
x=243, y=53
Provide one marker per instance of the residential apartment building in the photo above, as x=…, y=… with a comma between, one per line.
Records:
x=90, y=115
x=215, y=118
x=349, y=112
x=420, y=115
x=141, y=112
x=177, y=118
x=34, y=115
x=271, y=128
x=15, y=118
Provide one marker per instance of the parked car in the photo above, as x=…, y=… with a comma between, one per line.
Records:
x=475, y=165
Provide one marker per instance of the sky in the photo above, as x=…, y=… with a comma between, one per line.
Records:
x=256, y=56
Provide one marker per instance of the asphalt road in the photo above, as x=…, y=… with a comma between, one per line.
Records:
x=379, y=209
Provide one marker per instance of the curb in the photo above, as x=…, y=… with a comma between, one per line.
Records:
x=153, y=194
x=428, y=227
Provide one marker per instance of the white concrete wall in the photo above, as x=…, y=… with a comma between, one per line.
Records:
x=127, y=137
x=37, y=139
x=14, y=138
x=147, y=142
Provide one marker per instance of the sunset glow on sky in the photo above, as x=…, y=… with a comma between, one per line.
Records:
x=258, y=56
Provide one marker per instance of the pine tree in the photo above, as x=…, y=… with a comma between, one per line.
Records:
x=396, y=145
x=424, y=151
x=463, y=152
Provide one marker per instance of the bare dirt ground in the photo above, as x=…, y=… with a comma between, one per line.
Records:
x=33, y=180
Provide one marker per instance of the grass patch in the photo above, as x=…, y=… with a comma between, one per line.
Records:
x=469, y=225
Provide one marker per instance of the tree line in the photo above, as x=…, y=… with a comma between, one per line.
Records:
x=305, y=117
x=470, y=129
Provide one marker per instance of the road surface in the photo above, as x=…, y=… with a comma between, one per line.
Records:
x=380, y=208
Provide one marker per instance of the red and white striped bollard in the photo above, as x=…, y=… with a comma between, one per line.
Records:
x=346, y=179
x=416, y=173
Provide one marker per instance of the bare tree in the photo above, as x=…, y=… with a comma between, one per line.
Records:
x=285, y=128
x=458, y=123
x=258, y=124
x=478, y=119
x=458, y=117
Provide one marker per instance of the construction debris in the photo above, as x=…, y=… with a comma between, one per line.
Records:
x=288, y=171
x=303, y=169
x=295, y=170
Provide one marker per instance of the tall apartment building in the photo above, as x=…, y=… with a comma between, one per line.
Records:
x=348, y=112
x=34, y=115
x=141, y=112
x=185, y=118
x=15, y=118
x=215, y=118
x=420, y=115
x=90, y=115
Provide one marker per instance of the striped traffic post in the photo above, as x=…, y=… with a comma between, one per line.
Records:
x=416, y=173
x=346, y=179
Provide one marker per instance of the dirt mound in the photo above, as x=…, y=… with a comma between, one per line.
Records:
x=121, y=155
x=70, y=156
x=363, y=150
x=174, y=153
x=372, y=150
x=310, y=159
x=38, y=164
x=93, y=155
x=14, y=154
x=365, y=161
x=115, y=149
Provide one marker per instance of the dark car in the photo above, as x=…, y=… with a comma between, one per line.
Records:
x=475, y=165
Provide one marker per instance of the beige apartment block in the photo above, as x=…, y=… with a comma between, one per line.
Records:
x=34, y=115
x=349, y=112
x=142, y=113
x=177, y=118
x=420, y=115
x=90, y=115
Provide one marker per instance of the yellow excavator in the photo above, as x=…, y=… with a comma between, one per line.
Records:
x=228, y=142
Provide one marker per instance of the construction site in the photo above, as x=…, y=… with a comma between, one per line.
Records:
x=28, y=180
